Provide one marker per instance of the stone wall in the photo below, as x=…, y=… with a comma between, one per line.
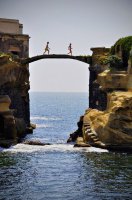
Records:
x=10, y=26
x=15, y=44
x=12, y=39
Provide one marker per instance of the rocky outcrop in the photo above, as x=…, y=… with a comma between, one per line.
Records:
x=112, y=128
x=97, y=97
x=14, y=82
x=14, y=99
x=108, y=121
x=78, y=133
x=35, y=142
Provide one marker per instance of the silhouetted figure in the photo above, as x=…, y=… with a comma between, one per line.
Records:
x=47, y=48
x=70, y=49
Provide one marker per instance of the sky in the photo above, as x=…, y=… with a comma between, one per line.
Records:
x=84, y=23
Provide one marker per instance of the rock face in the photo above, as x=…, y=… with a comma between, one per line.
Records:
x=35, y=142
x=14, y=99
x=112, y=80
x=97, y=97
x=14, y=82
x=108, y=121
x=112, y=127
x=7, y=120
x=78, y=133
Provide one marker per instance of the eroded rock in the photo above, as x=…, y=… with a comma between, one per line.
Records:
x=113, y=126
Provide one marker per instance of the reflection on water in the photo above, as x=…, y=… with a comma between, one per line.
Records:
x=6, y=160
x=59, y=171
x=111, y=174
x=65, y=175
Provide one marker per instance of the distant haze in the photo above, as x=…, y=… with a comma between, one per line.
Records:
x=84, y=23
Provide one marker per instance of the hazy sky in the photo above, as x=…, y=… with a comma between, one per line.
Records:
x=84, y=23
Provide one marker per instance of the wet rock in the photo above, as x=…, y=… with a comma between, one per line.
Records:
x=73, y=137
x=80, y=143
x=30, y=128
x=5, y=143
x=20, y=126
x=33, y=126
x=35, y=142
x=77, y=133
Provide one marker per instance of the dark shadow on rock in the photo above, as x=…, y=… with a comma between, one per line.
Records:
x=77, y=133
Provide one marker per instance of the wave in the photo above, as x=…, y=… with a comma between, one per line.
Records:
x=1, y=149
x=45, y=118
x=43, y=126
x=52, y=148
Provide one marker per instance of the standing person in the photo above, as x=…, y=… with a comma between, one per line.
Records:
x=70, y=49
x=47, y=48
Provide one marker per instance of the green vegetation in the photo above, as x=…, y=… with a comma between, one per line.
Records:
x=3, y=54
x=125, y=45
x=114, y=62
x=10, y=56
x=103, y=59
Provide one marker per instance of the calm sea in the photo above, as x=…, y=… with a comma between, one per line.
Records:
x=59, y=171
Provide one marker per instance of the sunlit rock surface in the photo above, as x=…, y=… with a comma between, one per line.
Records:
x=113, y=80
x=113, y=126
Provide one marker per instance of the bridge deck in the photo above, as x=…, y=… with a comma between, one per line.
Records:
x=85, y=59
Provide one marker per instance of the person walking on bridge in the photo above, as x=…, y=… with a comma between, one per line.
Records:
x=47, y=48
x=70, y=49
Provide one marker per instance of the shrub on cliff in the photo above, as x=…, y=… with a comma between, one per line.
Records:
x=10, y=56
x=114, y=62
x=123, y=44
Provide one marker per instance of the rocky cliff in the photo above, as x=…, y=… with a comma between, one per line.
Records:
x=14, y=99
x=108, y=121
x=112, y=128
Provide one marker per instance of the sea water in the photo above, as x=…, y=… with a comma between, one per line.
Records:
x=59, y=171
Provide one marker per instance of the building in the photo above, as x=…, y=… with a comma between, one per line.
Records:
x=12, y=39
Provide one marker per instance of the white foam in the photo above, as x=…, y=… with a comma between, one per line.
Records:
x=42, y=126
x=45, y=118
x=52, y=148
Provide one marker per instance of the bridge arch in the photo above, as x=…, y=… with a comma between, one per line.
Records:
x=86, y=59
x=57, y=74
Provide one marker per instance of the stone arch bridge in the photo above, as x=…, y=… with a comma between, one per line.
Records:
x=86, y=59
